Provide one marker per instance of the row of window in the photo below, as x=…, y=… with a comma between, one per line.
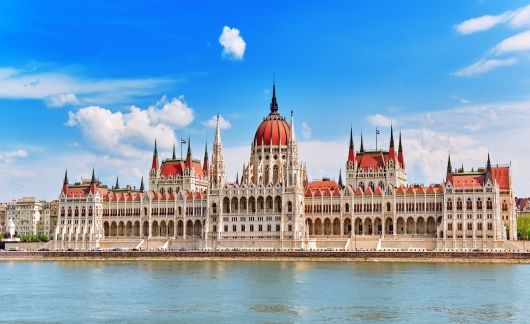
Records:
x=460, y=226
x=252, y=228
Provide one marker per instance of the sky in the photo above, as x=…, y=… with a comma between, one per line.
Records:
x=92, y=84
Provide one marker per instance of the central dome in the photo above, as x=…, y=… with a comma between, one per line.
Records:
x=273, y=130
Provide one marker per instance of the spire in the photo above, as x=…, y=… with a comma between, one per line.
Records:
x=205, y=161
x=117, y=186
x=274, y=102
x=174, y=157
x=449, y=166
x=351, y=149
x=391, y=136
x=188, y=155
x=154, y=164
x=65, y=182
x=401, y=159
x=488, y=163
x=340, y=178
x=362, y=144
x=391, y=151
x=142, y=184
x=93, y=180
x=237, y=177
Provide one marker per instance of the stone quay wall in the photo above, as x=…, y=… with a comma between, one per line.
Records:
x=480, y=257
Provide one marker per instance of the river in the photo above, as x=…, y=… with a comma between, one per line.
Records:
x=263, y=292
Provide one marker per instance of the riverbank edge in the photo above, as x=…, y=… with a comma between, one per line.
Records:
x=402, y=257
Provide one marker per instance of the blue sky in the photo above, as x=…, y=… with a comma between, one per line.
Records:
x=452, y=75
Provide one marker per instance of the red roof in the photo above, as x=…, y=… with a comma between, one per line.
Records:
x=502, y=176
x=323, y=184
x=174, y=168
x=274, y=130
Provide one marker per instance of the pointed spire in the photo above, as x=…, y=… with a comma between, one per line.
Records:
x=274, y=102
x=154, y=164
x=391, y=136
x=351, y=149
x=174, y=157
x=117, y=186
x=65, y=182
x=205, y=160
x=351, y=137
x=391, y=151
x=401, y=159
x=142, y=184
x=362, y=144
x=188, y=155
x=237, y=177
x=488, y=163
x=449, y=166
x=93, y=180
x=340, y=178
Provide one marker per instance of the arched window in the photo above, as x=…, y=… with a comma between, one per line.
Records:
x=504, y=206
x=371, y=185
x=381, y=185
x=275, y=174
x=449, y=204
x=361, y=185
x=214, y=208
x=469, y=204
x=289, y=207
x=479, y=204
x=388, y=207
x=459, y=204
x=267, y=175
x=347, y=207
x=489, y=204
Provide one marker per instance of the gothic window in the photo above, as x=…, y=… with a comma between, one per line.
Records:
x=371, y=185
x=381, y=185
x=459, y=204
x=267, y=175
x=275, y=174
x=504, y=206
x=388, y=207
x=289, y=207
x=214, y=208
x=489, y=204
x=469, y=204
x=361, y=185
x=449, y=204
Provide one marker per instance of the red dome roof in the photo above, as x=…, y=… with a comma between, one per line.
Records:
x=274, y=130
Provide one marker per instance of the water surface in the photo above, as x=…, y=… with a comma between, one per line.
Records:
x=264, y=292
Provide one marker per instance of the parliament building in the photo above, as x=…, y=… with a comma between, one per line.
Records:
x=188, y=203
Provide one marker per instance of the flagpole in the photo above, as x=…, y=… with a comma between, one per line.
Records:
x=376, y=132
x=181, y=148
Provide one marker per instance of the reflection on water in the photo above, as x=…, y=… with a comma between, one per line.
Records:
x=287, y=292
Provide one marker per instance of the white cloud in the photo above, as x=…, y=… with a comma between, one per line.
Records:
x=22, y=84
x=62, y=100
x=460, y=99
x=233, y=44
x=122, y=134
x=212, y=122
x=379, y=120
x=8, y=156
x=306, y=131
x=515, y=18
x=484, y=66
x=516, y=43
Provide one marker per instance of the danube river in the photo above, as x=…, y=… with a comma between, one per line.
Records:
x=272, y=292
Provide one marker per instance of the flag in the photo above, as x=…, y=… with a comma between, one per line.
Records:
x=377, y=131
x=182, y=141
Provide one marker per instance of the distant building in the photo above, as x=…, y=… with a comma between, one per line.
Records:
x=26, y=214
x=274, y=205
